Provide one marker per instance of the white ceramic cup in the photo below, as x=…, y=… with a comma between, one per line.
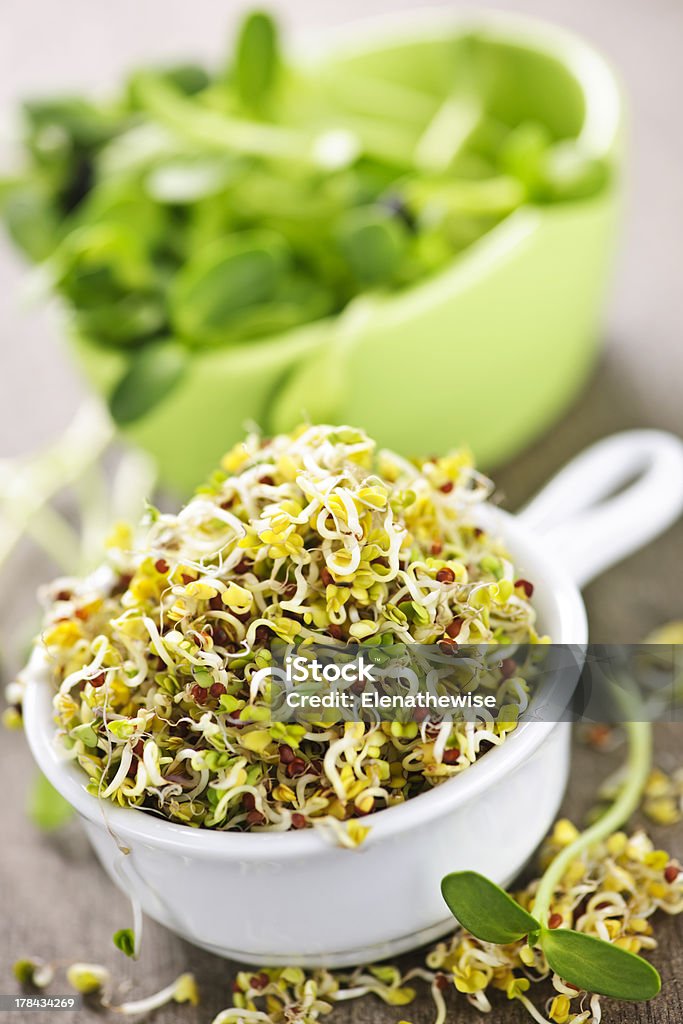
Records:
x=292, y=898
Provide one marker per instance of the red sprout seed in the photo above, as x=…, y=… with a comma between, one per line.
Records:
x=298, y=820
x=451, y=756
x=217, y=690
x=508, y=667
x=199, y=693
x=259, y=981
x=161, y=565
x=555, y=920
x=296, y=767
x=453, y=628
x=255, y=818
x=671, y=872
x=445, y=575
x=447, y=487
x=287, y=755
x=527, y=587
x=98, y=681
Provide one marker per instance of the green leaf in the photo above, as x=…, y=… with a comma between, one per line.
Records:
x=47, y=808
x=125, y=941
x=597, y=966
x=221, y=283
x=374, y=244
x=100, y=263
x=484, y=909
x=65, y=121
x=86, y=734
x=153, y=372
x=256, y=59
x=125, y=321
x=31, y=218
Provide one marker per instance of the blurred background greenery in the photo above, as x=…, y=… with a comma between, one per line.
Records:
x=275, y=235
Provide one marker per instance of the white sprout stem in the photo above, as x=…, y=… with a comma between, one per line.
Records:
x=237, y=1016
x=148, y=1004
x=138, y=923
x=344, y=994
x=28, y=486
x=531, y=1009
x=638, y=769
x=439, y=1003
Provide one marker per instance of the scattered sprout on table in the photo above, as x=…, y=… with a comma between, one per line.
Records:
x=88, y=979
x=95, y=981
x=611, y=891
x=33, y=972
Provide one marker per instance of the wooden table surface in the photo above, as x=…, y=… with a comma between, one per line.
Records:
x=54, y=899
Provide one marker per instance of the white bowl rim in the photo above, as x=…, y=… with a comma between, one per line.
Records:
x=566, y=622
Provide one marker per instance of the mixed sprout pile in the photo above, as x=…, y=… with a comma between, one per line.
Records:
x=201, y=208
x=157, y=658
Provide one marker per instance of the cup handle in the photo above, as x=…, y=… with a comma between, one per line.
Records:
x=610, y=500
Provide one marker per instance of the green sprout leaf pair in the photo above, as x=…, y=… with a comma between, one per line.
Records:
x=490, y=914
x=125, y=941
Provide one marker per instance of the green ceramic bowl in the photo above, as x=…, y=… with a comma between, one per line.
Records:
x=489, y=351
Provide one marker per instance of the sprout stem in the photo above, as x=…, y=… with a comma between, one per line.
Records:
x=30, y=485
x=638, y=768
